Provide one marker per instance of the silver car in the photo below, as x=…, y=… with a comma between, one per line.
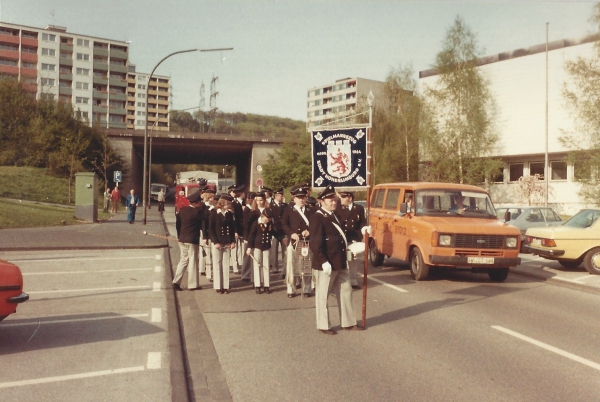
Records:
x=525, y=217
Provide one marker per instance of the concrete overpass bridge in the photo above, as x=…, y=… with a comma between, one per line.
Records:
x=246, y=153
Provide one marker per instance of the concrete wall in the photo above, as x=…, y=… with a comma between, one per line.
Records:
x=260, y=156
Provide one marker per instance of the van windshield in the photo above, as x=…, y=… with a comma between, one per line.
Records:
x=455, y=203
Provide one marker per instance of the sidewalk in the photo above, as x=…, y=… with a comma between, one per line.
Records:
x=114, y=233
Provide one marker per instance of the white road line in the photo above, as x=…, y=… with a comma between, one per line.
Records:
x=157, y=268
x=156, y=315
x=387, y=284
x=86, y=272
x=21, y=324
x=560, y=278
x=154, y=360
x=158, y=257
x=88, y=290
x=70, y=377
x=80, y=259
x=156, y=287
x=549, y=347
x=588, y=276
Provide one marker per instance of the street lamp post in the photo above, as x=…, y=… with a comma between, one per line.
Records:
x=145, y=168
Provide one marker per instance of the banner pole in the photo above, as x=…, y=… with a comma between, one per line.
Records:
x=366, y=235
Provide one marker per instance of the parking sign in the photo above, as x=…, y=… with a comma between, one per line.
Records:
x=118, y=177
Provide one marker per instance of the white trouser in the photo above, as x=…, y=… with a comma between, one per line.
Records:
x=207, y=267
x=337, y=283
x=221, y=267
x=261, y=263
x=188, y=259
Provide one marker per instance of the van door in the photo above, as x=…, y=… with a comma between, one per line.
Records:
x=390, y=214
x=400, y=226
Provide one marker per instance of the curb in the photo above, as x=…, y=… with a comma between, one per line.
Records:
x=63, y=248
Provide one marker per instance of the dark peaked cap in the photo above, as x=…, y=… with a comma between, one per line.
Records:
x=194, y=197
x=329, y=192
x=298, y=191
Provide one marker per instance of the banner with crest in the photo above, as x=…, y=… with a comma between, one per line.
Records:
x=339, y=158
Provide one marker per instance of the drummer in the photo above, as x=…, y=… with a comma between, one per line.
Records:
x=295, y=225
x=354, y=223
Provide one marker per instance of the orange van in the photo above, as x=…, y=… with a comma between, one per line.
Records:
x=442, y=225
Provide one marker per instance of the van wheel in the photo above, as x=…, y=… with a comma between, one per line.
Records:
x=418, y=269
x=570, y=263
x=591, y=262
x=375, y=256
x=498, y=275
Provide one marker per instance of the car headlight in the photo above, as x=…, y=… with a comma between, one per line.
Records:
x=445, y=240
x=511, y=242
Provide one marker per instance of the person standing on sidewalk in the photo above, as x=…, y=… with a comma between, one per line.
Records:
x=192, y=218
x=161, y=200
x=329, y=262
x=221, y=228
x=107, y=197
x=116, y=198
x=208, y=196
x=132, y=203
x=278, y=207
x=259, y=246
x=248, y=217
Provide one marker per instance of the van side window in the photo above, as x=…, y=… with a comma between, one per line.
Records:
x=391, y=202
x=378, y=198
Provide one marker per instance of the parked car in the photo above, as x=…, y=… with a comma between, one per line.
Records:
x=525, y=217
x=11, y=289
x=576, y=241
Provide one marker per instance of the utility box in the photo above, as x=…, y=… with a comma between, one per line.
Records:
x=86, y=196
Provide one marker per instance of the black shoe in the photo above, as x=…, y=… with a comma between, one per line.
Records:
x=176, y=287
x=291, y=295
x=226, y=291
x=198, y=288
x=306, y=295
x=203, y=273
x=356, y=287
x=219, y=291
x=267, y=291
x=353, y=328
x=328, y=331
x=258, y=291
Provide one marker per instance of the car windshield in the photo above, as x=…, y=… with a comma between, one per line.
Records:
x=156, y=188
x=583, y=219
x=455, y=203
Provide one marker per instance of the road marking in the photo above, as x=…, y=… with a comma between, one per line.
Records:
x=70, y=377
x=154, y=359
x=156, y=287
x=588, y=276
x=81, y=259
x=157, y=268
x=549, y=347
x=387, y=284
x=21, y=324
x=89, y=290
x=158, y=257
x=156, y=315
x=86, y=272
x=560, y=278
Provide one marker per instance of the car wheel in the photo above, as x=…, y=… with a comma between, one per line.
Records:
x=570, y=263
x=418, y=269
x=498, y=275
x=591, y=262
x=375, y=256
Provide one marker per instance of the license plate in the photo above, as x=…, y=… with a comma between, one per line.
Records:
x=536, y=242
x=480, y=260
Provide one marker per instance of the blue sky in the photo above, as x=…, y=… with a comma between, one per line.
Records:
x=283, y=48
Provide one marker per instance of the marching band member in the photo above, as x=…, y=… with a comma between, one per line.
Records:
x=247, y=218
x=222, y=235
x=354, y=223
x=278, y=207
x=237, y=193
x=295, y=225
x=208, y=196
x=259, y=245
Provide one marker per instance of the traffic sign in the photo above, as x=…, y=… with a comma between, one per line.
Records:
x=118, y=176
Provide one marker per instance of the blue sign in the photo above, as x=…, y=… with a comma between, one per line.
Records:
x=118, y=176
x=340, y=158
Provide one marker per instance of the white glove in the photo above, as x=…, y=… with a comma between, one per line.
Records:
x=326, y=268
x=366, y=229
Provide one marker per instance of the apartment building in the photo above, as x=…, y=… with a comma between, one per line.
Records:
x=517, y=80
x=94, y=74
x=334, y=101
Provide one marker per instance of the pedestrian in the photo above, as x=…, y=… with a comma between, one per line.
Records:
x=132, y=203
x=354, y=222
x=161, y=200
x=107, y=197
x=279, y=239
x=222, y=232
x=259, y=245
x=248, y=217
x=328, y=245
x=208, y=196
x=294, y=223
x=116, y=198
x=192, y=218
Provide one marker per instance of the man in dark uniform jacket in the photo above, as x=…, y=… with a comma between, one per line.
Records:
x=192, y=222
x=248, y=218
x=294, y=223
x=354, y=223
x=278, y=207
x=328, y=245
x=238, y=203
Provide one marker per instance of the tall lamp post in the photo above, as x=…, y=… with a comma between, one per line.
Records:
x=145, y=180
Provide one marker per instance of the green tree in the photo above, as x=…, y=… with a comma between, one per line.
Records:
x=16, y=111
x=459, y=136
x=582, y=94
x=290, y=165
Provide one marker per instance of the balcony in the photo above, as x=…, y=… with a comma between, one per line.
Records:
x=12, y=70
x=118, y=96
x=13, y=40
x=118, y=82
x=118, y=54
x=65, y=77
x=63, y=61
x=29, y=42
x=100, y=80
x=100, y=51
x=99, y=109
x=100, y=66
x=118, y=110
x=66, y=47
x=28, y=72
x=100, y=95
x=116, y=124
x=65, y=90
x=30, y=87
x=117, y=68
x=29, y=57
x=9, y=54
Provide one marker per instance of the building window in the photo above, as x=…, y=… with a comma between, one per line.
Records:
x=318, y=102
x=48, y=52
x=516, y=171
x=83, y=42
x=48, y=82
x=141, y=95
x=80, y=99
x=141, y=86
x=82, y=85
x=13, y=48
x=83, y=56
x=499, y=176
x=27, y=64
x=559, y=170
x=48, y=67
x=48, y=37
x=140, y=122
x=8, y=62
x=140, y=113
x=536, y=168
x=25, y=49
x=47, y=96
x=141, y=104
x=82, y=71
